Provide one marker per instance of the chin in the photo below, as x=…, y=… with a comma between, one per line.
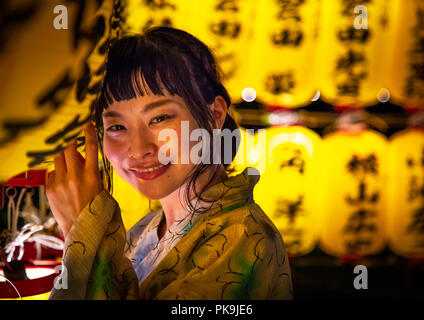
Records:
x=155, y=191
x=153, y=194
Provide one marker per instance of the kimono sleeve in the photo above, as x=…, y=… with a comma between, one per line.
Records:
x=94, y=265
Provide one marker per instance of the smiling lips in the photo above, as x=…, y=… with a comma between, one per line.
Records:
x=148, y=169
x=151, y=172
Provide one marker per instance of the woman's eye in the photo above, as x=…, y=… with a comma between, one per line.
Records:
x=160, y=118
x=115, y=128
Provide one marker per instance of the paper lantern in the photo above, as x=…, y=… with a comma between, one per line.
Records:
x=406, y=56
x=352, y=45
x=49, y=78
x=227, y=30
x=281, y=54
x=138, y=16
x=405, y=211
x=354, y=191
x=351, y=51
x=289, y=186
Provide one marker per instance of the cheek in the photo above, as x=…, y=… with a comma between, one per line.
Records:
x=182, y=145
x=113, y=151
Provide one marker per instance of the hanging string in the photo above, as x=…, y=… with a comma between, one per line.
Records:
x=17, y=211
x=27, y=233
x=10, y=206
x=12, y=216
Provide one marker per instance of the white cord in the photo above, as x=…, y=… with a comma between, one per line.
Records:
x=11, y=208
x=47, y=241
x=26, y=232
x=10, y=282
x=17, y=211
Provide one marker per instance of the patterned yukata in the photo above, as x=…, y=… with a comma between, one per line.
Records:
x=148, y=250
x=231, y=251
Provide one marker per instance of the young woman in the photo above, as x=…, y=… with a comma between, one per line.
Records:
x=209, y=240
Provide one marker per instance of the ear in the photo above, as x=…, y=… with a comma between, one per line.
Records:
x=219, y=110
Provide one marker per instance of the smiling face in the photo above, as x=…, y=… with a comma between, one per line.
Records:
x=131, y=142
x=160, y=80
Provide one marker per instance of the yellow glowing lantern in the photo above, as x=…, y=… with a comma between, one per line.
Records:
x=354, y=163
x=223, y=29
x=51, y=68
x=351, y=51
x=405, y=220
x=227, y=31
x=282, y=52
x=142, y=15
x=406, y=56
x=289, y=186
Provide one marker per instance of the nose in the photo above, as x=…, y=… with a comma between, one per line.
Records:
x=141, y=145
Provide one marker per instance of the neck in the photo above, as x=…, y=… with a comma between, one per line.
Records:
x=174, y=204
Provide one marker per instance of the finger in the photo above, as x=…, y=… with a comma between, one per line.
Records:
x=50, y=178
x=91, y=147
x=60, y=165
x=81, y=158
x=71, y=158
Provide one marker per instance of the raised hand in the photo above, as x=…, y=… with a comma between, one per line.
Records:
x=74, y=182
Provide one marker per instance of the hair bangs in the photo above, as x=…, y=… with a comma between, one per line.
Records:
x=136, y=68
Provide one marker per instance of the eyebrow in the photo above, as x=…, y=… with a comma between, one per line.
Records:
x=148, y=107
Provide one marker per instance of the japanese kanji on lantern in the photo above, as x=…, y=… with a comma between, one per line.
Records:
x=138, y=16
x=406, y=54
x=351, y=51
x=281, y=57
x=224, y=29
x=50, y=73
x=405, y=210
x=288, y=190
x=288, y=50
x=267, y=45
x=355, y=179
x=227, y=30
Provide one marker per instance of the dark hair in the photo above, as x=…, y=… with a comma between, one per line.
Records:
x=171, y=59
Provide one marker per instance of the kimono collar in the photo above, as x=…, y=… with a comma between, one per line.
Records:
x=236, y=189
